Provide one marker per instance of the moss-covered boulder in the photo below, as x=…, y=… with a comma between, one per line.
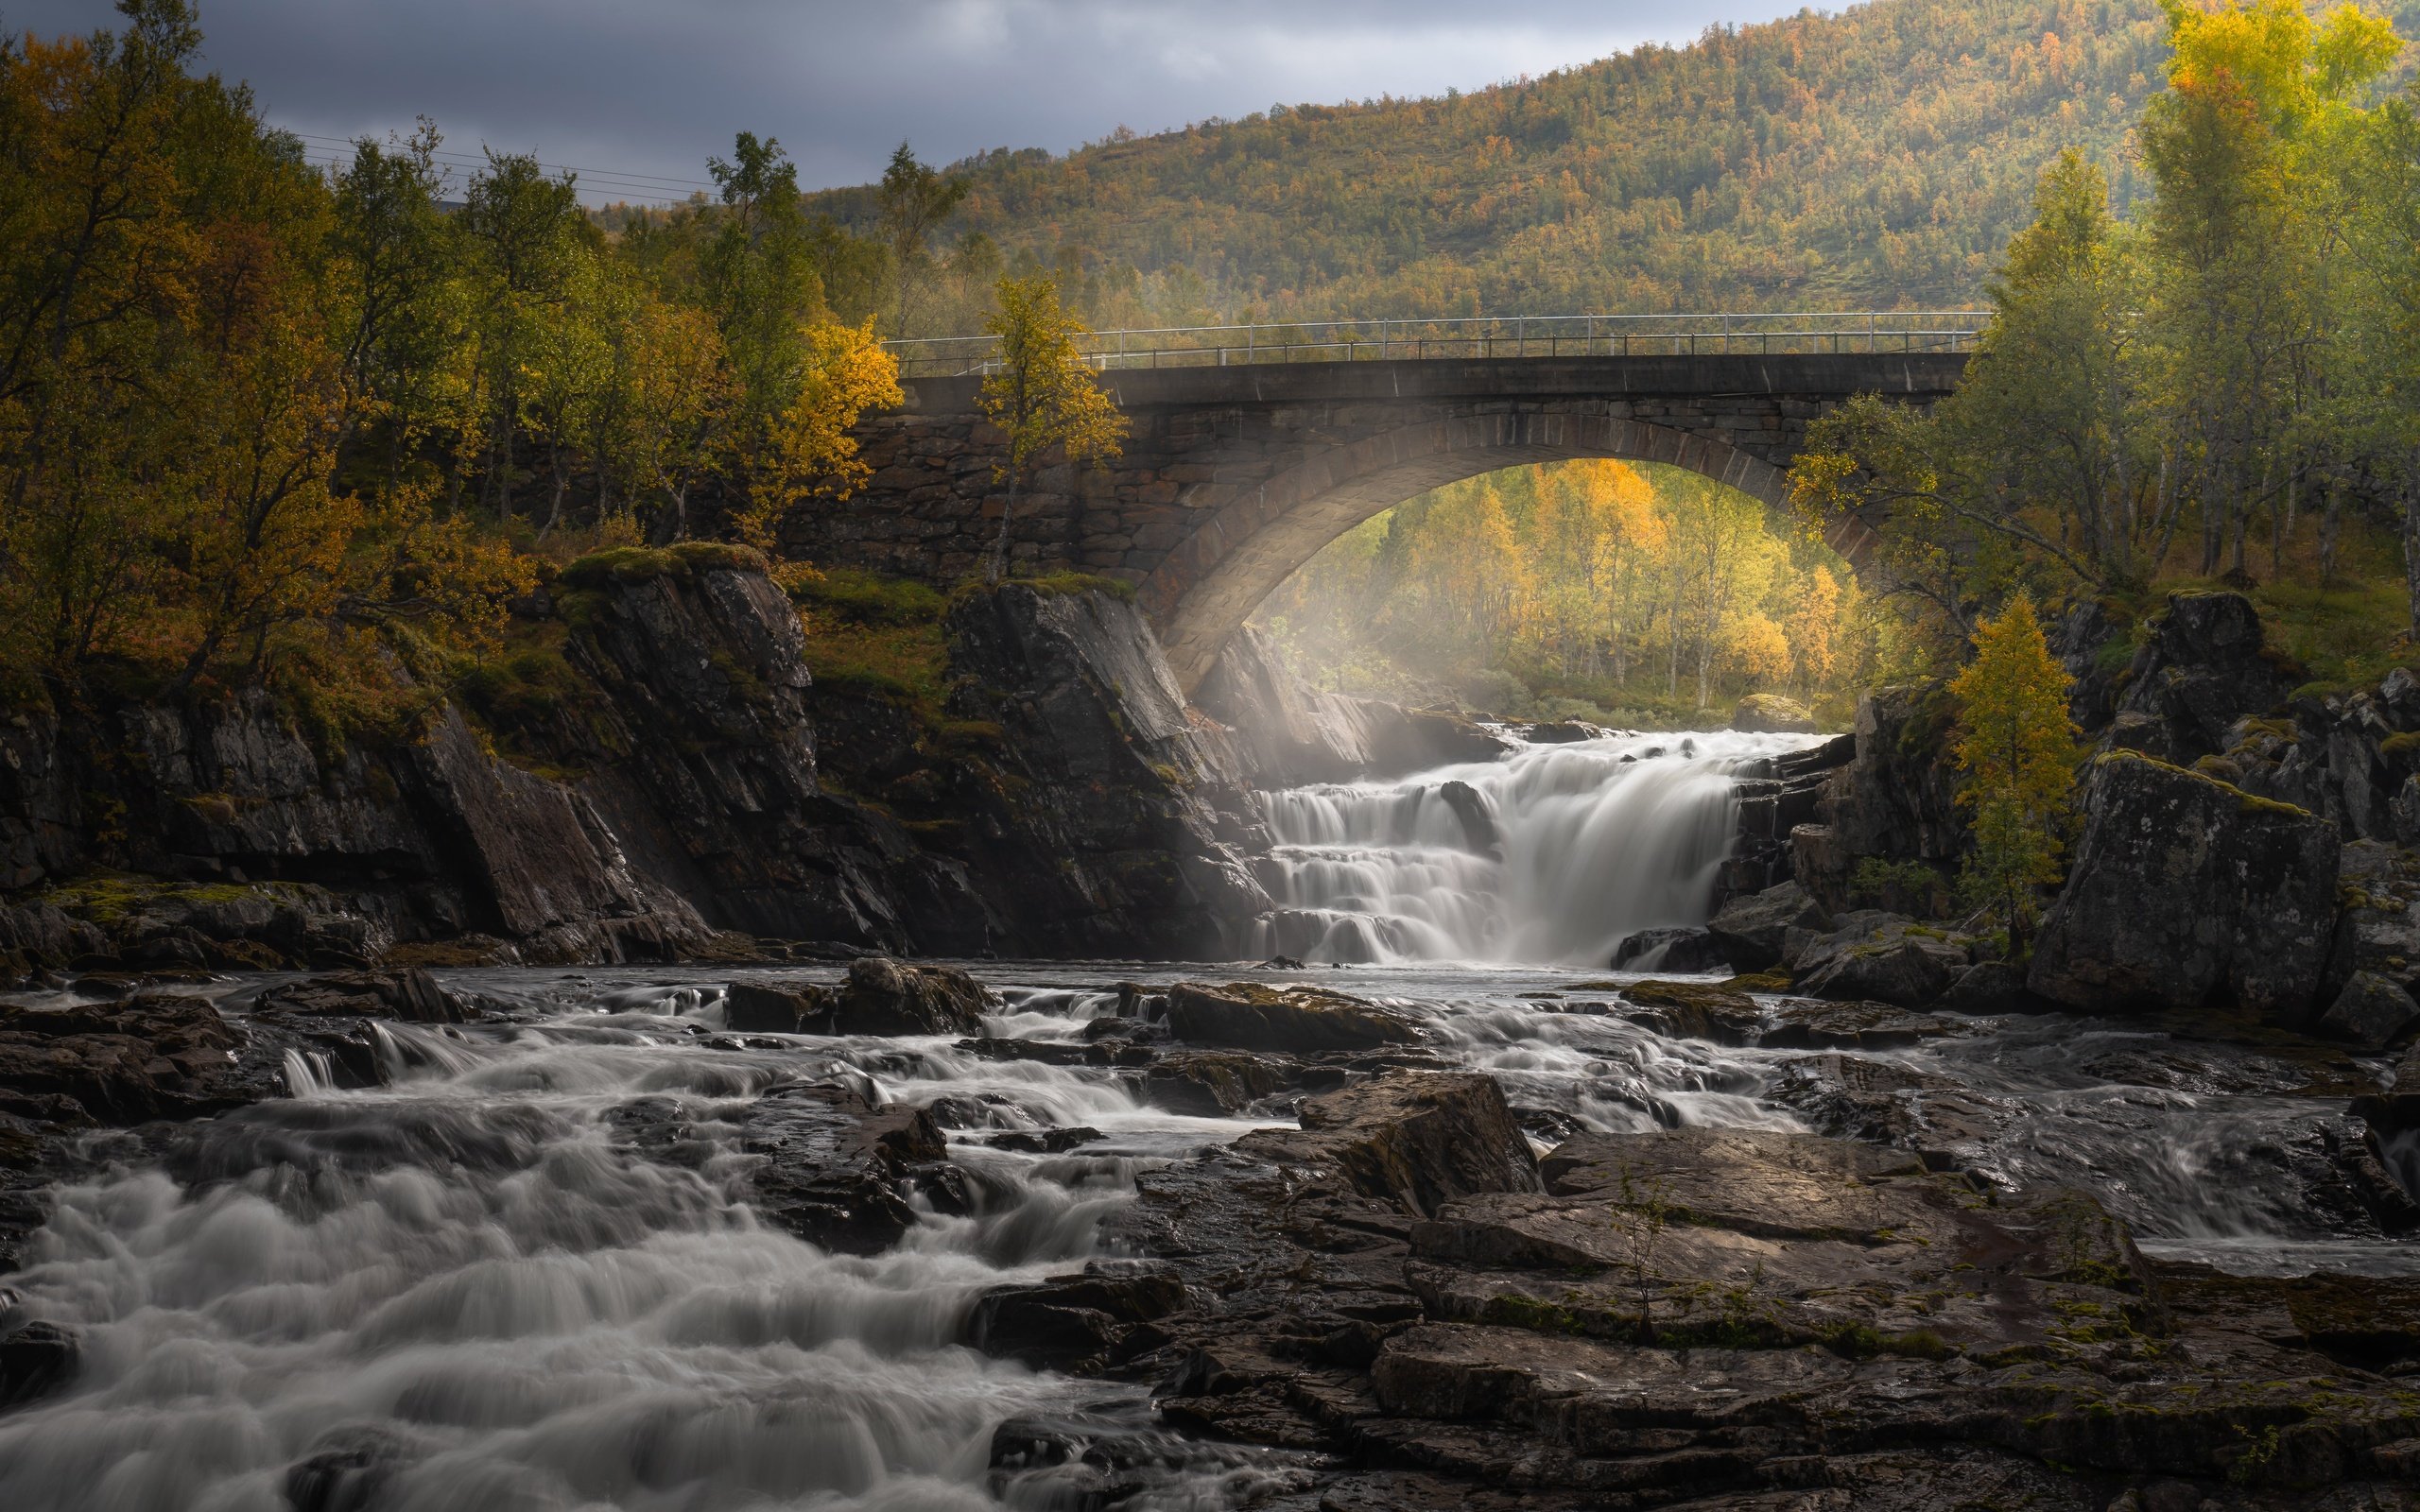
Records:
x=2185, y=889
x=1295, y=1019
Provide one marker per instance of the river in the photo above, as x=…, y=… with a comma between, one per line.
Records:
x=469, y=1289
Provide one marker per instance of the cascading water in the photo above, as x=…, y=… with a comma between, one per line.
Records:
x=1553, y=855
x=469, y=1290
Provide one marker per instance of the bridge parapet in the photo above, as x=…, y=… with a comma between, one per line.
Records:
x=1832, y=332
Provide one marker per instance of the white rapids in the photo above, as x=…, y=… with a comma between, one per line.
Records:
x=1551, y=856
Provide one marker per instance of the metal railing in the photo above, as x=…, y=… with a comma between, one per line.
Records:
x=1513, y=336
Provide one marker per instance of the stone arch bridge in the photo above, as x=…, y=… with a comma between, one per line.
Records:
x=1235, y=473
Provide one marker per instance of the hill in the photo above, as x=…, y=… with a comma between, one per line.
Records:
x=1879, y=156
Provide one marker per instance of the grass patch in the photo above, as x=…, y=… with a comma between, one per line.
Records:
x=1074, y=582
x=873, y=636
x=856, y=598
x=531, y=701
x=638, y=564
x=111, y=897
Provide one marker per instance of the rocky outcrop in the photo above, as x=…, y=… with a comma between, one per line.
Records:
x=1285, y=734
x=2202, y=664
x=1672, y=949
x=1737, y=1316
x=878, y=996
x=1880, y=956
x=663, y=788
x=122, y=1063
x=1894, y=801
x=833, y=1168
x=1114, y=824
x=411, y=995
x=1301, y=1020
x=2184, y=889
x=1754, y=931
x=1770, y=712
x=1776, y=796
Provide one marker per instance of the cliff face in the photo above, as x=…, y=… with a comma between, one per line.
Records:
x=678, y=798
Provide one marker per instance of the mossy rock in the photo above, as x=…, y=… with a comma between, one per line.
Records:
x=639, y=564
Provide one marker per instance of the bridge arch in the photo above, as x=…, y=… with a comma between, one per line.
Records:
x=1204, y=589
x=1234, y=475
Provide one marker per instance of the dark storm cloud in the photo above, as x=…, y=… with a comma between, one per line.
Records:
x=654, y=87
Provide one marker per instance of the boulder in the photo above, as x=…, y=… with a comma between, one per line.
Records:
x=2202, y=664
x=1420, y=1138
x=155, y=1056
x=2371, y=1012
x=1212, y=1084
x=1990, y=988
x=1072, y=1322
x=1697, y=1010
x=37, y=1357
x=773, y=1005
x=1883, y=958
x=1670, y=950
x=410, y=994
x=1296, y=1020
x=1477, y=823
x=838, y=1171
x=879, y=996
x=1770, y=712
x=884, y=998
x=1751, y=931
x=2184, y=888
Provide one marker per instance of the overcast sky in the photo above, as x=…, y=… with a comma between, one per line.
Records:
x=639, y=91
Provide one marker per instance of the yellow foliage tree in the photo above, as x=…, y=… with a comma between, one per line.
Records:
x=1814, y=628
x=1042, y=395
x=2015, y=745
x=809, y=453
x=1757, y=647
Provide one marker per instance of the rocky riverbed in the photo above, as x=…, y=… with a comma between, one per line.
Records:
x=1093, y=1237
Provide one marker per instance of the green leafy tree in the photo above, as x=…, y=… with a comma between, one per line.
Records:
x=1042, y=395
x=524, y=230
x=914, y=200
x=2015, y=745
x=756, y=276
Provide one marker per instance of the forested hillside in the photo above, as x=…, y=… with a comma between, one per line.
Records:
x=1879, y=156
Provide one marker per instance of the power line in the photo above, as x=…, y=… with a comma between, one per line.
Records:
x=330, y=158
x=338, y=150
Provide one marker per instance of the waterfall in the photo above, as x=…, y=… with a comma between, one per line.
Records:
x=1551, y=855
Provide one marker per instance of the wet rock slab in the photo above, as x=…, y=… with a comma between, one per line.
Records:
x=1728, y=1318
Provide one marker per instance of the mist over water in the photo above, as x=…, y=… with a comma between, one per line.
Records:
x=1553, y=855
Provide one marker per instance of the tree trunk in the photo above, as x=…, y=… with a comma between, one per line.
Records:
x=2330, y=523
x=2411, y=541
x=998, y=566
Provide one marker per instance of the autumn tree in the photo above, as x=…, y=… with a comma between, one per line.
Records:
x=1042, y=395
x=810, y=452
x=2015, y=745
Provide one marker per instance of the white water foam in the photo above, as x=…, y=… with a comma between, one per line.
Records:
x=1553, y=855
